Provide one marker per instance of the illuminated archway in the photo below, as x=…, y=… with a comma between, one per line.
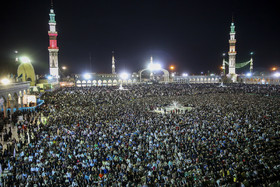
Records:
x=165, y=73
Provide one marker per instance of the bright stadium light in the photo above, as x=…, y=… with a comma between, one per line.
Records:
x=5, y=81
x=124, y=75
x=87, y=76
x=154, y=67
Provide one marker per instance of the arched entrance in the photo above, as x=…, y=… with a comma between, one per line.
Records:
x=165, y=74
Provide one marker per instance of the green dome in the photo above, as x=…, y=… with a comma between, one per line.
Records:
x=26, y=72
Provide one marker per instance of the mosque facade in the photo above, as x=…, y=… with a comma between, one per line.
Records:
x=114, y=78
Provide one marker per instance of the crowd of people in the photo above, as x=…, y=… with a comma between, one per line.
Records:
x=102, y=136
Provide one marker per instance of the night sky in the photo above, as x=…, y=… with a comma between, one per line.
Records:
x=192, y=35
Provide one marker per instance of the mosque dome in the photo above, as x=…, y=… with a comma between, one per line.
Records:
x=26, y=72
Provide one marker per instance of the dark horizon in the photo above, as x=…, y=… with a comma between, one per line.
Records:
x=190, y=35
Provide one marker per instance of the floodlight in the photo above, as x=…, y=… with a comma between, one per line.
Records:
x=24, y=59
x=277, y=74
x=248, y=74
x=124, y=75
x=5, y=81
x=87, y=76
x=185, y=75
x=154, y=67
x=49, y=77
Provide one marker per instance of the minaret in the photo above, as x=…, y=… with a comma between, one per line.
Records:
x=53, y=49
x=232, y=52
x=251, y=63
x=151, y=65
x=113, y=64
x=224, y=65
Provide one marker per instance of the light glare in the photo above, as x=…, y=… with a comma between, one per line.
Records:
x=24, y=59
x=277, y=74
x=5, y=81
x=153, y=67
x=49, y=77
x=248, y=74
x=87, y=76
x=124, y=76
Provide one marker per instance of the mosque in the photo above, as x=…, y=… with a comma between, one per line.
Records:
x=114, y=78
x=16, y=94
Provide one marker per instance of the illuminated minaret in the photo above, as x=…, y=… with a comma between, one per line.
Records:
x=151, y=65
x=53, y=49
x=113, y=64
x=232, y=52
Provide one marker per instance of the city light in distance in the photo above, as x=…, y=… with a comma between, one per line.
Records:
x=171, y=67
x=185, y=74
x=274, y=68
x=64, y=67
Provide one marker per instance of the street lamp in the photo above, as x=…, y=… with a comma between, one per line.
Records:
x=274, y=68
x=64, y=67
x=16, y=52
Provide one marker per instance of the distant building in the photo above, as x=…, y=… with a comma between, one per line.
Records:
x=197, y=79
x=104, y=79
